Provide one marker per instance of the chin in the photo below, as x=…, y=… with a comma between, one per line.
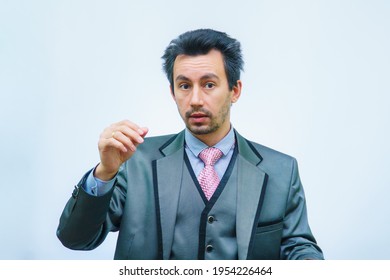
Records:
x=201, y=130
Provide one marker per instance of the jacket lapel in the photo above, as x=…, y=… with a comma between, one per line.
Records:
x=250, y=194
x=168, y=174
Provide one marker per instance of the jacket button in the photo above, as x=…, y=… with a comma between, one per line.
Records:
x=75, y=192
x=210, y=219
x=209, y=248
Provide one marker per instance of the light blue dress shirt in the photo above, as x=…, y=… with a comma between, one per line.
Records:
x=193, y=147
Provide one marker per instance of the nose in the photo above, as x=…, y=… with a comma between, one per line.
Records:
x=196, y=97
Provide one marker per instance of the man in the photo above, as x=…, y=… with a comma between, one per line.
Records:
x=204, y=193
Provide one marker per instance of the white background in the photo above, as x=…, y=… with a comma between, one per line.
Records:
x=315, y=86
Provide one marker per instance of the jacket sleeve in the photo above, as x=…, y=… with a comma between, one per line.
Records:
x=298, y=242
x=86, y=219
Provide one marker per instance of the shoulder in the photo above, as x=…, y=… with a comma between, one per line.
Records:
x=267, y=152
x=273, y=161
x=263, y=152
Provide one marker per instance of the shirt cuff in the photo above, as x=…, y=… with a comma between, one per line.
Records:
x=96, y=187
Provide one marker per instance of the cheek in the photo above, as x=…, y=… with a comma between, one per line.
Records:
x=183, y=100
x=181, y=105
x=221, y=103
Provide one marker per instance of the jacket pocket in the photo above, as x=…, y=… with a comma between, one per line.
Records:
x=267, y=242
x=269, y=227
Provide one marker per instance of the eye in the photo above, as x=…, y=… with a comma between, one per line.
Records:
x=209, y=85
x=184, y=86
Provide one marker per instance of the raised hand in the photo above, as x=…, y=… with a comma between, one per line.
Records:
x=117, y=143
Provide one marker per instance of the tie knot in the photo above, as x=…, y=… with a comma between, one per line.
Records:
x=210, y=155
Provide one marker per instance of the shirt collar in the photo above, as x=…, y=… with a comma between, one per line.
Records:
x=196, y=146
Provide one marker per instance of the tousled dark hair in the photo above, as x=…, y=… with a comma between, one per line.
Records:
x=201, y=42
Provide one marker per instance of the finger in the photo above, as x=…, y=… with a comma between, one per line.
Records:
x=126, y=127
x=110, y=131
x=145, y=131
x=132, y=126
x=134, y=135
x=125, y=140
x=107, y=143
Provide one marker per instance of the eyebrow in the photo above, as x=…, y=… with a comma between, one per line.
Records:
x=204, y=77
x=181, y=78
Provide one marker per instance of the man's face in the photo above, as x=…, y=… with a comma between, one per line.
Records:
x=202, y=95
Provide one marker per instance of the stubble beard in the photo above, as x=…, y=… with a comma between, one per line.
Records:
x=215, y=121
x=203, y=129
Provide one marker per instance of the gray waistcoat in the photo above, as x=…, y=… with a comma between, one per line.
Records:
x=206, y=229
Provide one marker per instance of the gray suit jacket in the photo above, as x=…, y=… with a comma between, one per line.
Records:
x=271, y=221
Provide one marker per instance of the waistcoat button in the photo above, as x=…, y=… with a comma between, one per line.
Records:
x=210, y=219
x=209, y=248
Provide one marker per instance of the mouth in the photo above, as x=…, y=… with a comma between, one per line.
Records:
x=198, y=117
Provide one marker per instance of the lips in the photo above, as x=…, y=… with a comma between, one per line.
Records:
x=198, y=117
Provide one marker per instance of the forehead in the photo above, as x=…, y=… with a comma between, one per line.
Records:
x=193, y=66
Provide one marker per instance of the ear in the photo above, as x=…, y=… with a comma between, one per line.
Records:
x=236, y=91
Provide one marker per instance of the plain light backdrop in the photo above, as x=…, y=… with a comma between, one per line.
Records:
x=315, y=86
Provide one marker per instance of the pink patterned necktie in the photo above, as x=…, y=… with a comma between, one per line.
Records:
x=208, y=177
